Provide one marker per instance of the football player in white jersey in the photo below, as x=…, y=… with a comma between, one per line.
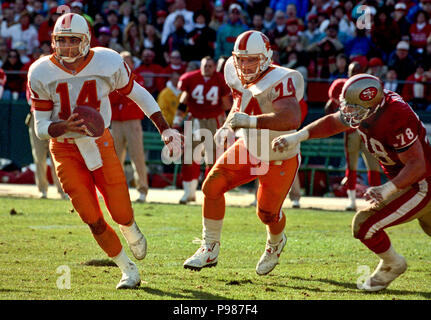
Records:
x=77, y=75
x=266, y=105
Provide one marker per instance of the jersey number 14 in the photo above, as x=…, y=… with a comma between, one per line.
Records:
x=87, y=97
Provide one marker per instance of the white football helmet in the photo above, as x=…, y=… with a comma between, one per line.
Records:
x=71, y=25
x=360, y=97
x=251, y=44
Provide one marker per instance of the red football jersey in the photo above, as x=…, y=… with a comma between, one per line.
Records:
x=205, y=96
x=391, y=130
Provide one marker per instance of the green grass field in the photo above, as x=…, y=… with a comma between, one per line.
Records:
x=320, y=261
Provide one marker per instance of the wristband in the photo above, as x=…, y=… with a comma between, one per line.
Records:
x=388, y=189
x=253, y=122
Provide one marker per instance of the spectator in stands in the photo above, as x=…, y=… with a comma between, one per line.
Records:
x=169, y=98
x=420, y=30
x=402, y=62
x=126, y=13
x=268, y=19
x=345, y=24
x=399, y=16
x=112, y=19
x=291, y=13
x=3, y=51
x=8, y=19
x=176, y=64
x=416, y=92
x=169, y=27
x=22, y=32
x=126, y=129
x=360, y=45
x=391, y=81
x=377, y=68
x=202, y=38
x=177, y=40
x=280, y=28
x=15, y=84
x=413, y=9
x=160, y=20
x=77, y=7
x=132, y=39
x=218, y=18
x=116, y=42
x=142, y=22
x=229, y=31
x=257, y=23
x=254, y=7
x=152, y=41
x=45, y=30
x=341, y=64
x=312, y=34
x=300, y=6
x=150, y=72
x=152, y=7
x=385, y=33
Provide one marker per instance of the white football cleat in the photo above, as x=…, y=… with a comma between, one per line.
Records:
x=130, y=278
x=295, y=204
x=138, y=247
x=205, y=257
x=269, y=259
x=384, y=274
x=185, y=198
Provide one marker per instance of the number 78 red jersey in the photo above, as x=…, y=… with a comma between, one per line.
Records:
x=391, y=130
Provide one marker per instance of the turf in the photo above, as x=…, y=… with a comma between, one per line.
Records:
x=39, y=239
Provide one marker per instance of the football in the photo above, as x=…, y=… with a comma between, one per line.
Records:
x=93, y=120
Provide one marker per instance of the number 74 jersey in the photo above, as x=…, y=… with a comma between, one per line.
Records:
x=391, y=130
x=59, y=90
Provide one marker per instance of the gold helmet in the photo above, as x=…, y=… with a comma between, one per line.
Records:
x=360, y=97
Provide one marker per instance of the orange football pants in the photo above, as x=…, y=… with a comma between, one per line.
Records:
x=80, y=184
x=272, y=190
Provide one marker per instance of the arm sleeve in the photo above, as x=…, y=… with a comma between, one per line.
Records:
x=406, y=129
x=123, y=79
x=143, y=99
x=42, y=106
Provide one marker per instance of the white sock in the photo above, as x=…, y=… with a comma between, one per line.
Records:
x=122, y=261
x=389, y=256
x=211, y=229
x=352, y=196
x=193, y=187
x=273, y=238
x=132, y=233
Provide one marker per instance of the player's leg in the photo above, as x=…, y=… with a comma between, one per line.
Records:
x=77, y=181
x=368, y=226
x=112, y=184
x=135, y=147
x=273, y=188
x=352, y=144
x=225, y=175
x=295, y=193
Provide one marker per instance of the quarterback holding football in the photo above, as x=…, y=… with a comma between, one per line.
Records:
x=393, y=133
x=77, y=75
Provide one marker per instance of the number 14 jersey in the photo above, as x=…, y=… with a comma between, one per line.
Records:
x=55, y=88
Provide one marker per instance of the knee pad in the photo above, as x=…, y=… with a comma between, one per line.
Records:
x=267, y=217
x=357, y=222
x=98, y=227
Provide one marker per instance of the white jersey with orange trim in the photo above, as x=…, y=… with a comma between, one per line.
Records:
x=257, y=98
x=55, y=88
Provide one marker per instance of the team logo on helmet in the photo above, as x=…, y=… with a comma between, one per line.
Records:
x=368, y=94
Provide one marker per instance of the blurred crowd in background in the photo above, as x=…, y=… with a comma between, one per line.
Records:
x=390, y=39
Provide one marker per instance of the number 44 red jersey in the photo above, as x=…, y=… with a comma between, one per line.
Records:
x=391, y=130
x=204, y=94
